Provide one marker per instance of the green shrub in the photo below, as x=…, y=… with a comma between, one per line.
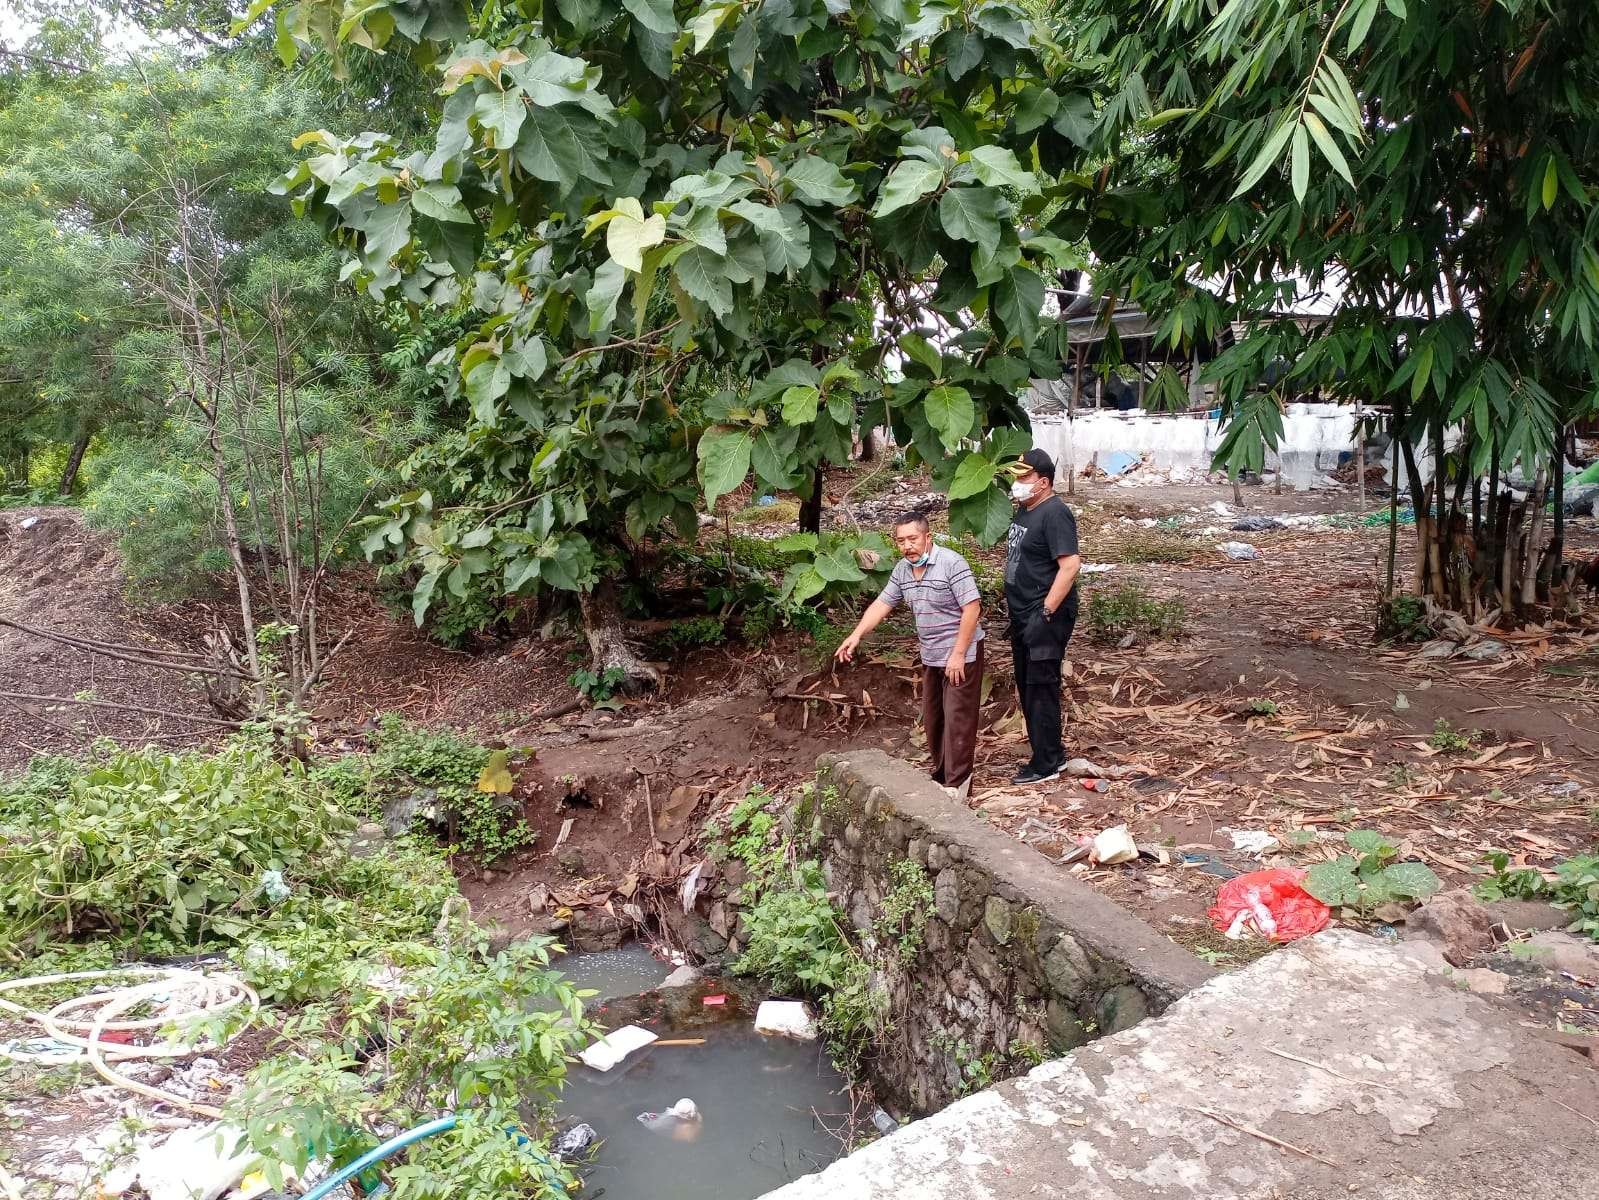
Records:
x=160, y=848
x=486, y=1037
x=1446, y=739
x=1372, y=878
x=405, y=758
x=1403, y=618
x=1111, y=614
x=695, y=631
x=1154, y=546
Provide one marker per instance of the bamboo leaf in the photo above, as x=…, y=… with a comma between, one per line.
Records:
x=1328, y=145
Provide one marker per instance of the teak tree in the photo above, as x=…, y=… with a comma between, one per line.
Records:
x=699, y=241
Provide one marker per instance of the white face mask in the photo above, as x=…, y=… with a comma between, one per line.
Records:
x=1021, y=492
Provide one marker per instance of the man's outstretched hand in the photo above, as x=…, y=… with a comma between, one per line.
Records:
x=846, y=649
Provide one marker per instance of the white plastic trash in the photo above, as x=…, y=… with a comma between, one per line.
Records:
x=615, y=1046
x=195, y=1164
x=786, y=1018
x=1114, y=845
x=1239, y=551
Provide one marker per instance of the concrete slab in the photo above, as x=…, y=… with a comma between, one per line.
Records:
x=1402, y=1085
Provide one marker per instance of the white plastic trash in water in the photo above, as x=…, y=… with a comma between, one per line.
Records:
x=615, y=1046
x=786, y=1018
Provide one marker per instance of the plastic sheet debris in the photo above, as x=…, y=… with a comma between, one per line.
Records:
x=1253, y=842
x=786, y=1018
x=273, y=887
x=681, y=1122
x=615, y=1046
x=691, y=888
x=572, y=1142
x=1271, y=904
x=683, y=976
x=1114, y=845
x=885, y=1124
x=1484, y=650
x=1221, y=509
x=1239, y=551
x=44, y=1050
x=195, y=1164
x=1096, y=568
x=1211, y=865
x=1118, y=462
x=1256, y=524
x=713, y=1001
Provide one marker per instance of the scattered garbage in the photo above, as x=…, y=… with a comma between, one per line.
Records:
x=1401, y=704
x=1114, y=845
x=1253, y=842
x=615, y=1046
x=1256, y=524
x=1271, y=904
x=1570, y=788
x=885, y=1123
x=1221, y=509
x=1096, y=568
x=574, y=1142
x=681, y=1122
x=1211, y=865
x=1095, y=785
x=199, y=1163
x=273, y=887
x=1239, y=551
x=46, y=1051
x=1484, y=650
x=766, y=502
x=683, y=976
x=1118, y=462
x=691, y=887
x=786, y=1018
x=1082, y=768
x=713, y=1001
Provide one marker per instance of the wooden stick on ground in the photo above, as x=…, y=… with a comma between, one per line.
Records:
x=1265, y=1137
x=1573, y=1111
x=1323, y=1067
x=649, y=809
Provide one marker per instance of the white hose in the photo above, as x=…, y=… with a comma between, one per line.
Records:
x=216, y=994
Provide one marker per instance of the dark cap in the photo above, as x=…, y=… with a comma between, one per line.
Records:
x=1040, y=462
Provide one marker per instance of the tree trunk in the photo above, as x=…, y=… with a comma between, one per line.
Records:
x=602, y=623
x=1528, y=564
x=69, y=477
x=810, y=515
x=1393, y=520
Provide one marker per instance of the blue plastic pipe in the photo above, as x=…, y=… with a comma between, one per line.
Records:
x=399, y=1142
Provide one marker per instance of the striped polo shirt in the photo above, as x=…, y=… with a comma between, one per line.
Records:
x=936, y=600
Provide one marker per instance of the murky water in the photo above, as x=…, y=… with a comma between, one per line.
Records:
x=762, y=1101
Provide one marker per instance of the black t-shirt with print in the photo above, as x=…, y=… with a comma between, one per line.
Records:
x=1038, y=537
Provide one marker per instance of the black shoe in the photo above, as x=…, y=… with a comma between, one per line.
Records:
x=1034, y=775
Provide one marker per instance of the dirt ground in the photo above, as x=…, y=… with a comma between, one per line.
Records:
x=1346, y=747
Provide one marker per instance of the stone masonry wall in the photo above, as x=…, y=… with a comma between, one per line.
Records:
x=1015, y=954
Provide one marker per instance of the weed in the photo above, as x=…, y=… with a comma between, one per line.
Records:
x=1448, y=740
x=1574, y=888
x=1111, y=615
x=1155, y=546
x=1403, y=618
x=1372, y=879
x=1262, y=707
x=599, y=688
x=780, y=512
x=696, y=631
x=903, y=920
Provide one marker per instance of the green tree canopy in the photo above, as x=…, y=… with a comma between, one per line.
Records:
x=698, y=242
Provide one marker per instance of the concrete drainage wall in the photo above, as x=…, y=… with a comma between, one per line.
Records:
x=1015, y=953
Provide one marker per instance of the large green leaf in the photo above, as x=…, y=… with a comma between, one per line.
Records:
x=563, y=145
x=704, y=277
x=907, y=183
x=799, y=405
x=986, y=515
x=974, y=475
x=1018, y=302
x=819, y=181
x=1412, y=880
x=724, y=461
x=654, y=15
x=602, y=297
x=501, y=114
x=1334, y=883
x=441, y=202
x=972, y=215
x=997, y=167
x=950, y=412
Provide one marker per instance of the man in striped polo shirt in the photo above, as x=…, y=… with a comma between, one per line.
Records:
x=944, y=600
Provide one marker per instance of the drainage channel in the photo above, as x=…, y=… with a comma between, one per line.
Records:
x=765, y=1104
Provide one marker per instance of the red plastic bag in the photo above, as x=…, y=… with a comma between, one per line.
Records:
x=1269, y=904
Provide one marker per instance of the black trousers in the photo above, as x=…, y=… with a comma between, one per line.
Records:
x=1038, y=685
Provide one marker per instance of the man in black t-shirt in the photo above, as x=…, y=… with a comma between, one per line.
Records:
x=1041, y=565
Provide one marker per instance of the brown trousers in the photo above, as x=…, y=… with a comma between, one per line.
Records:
x=949, y=718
